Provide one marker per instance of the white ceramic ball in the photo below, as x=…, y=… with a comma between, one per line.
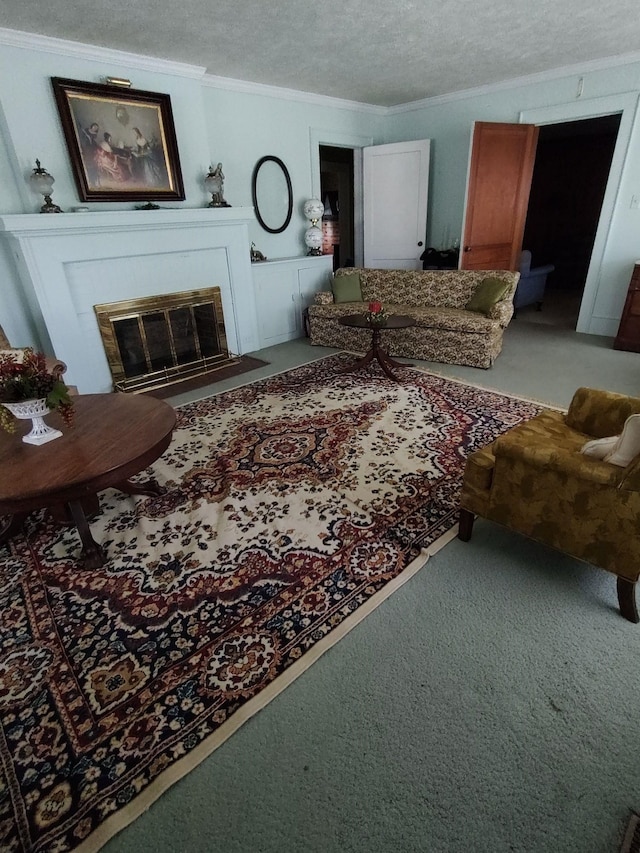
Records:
x=313, y=209
x=313, y=237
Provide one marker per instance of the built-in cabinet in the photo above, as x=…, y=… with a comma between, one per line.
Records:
x=283, y=288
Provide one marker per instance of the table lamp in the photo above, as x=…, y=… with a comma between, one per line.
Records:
x=41, y=182
x=313, y=210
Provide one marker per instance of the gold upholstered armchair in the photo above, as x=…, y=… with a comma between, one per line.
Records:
x=538, y=479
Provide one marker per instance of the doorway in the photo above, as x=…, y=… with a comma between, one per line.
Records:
x=572, y=166
x=337, y=195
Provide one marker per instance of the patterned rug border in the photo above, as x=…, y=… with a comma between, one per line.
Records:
x=429, y=371
x=260, y=379
x=125, y=817
x=631, y=841
x=533, y=400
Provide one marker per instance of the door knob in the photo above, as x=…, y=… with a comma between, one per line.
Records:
x=467, y=248
x=420, y=243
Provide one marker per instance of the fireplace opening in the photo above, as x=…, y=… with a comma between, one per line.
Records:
x=158, y=340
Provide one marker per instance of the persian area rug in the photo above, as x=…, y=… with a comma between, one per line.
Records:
x=293, y=507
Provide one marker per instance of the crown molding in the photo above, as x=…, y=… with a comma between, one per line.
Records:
x=94, y=53
x=266, y=91
x=117, y=58
x=579, y=68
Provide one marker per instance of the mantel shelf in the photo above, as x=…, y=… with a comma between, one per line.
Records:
x=35, y=224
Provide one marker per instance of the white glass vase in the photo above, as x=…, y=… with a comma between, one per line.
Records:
x=35, y=410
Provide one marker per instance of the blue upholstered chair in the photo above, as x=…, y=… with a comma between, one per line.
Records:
x=532, y=282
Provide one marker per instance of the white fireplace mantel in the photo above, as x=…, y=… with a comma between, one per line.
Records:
x=70, y=262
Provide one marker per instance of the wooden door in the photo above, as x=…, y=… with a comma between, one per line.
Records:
x=500, y=172
x=396, y=180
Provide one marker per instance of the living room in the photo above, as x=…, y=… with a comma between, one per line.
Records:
x=222, y=120
x=475, y=709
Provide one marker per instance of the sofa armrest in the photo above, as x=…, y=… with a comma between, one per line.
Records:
x=502, y=311
x=600, y=413
x=323, y=297
x=545, y=457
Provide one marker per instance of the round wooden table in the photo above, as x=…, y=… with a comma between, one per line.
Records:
x=113, y=437
x=395, y=321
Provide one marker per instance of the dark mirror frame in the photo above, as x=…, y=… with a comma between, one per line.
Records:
x=254, y=194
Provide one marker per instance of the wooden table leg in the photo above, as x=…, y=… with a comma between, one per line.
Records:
x=150, y=487
x=92, y=554
x=10, y=525
x=62, y=513
x=376, y=352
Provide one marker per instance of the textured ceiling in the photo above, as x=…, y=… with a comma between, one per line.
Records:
x=376, y=52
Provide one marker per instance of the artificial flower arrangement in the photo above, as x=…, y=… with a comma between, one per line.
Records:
x=24, y=376
x=376, y=315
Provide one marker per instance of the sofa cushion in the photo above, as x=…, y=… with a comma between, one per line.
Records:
x=346, y=288
x=446, y=319
x=489, y=291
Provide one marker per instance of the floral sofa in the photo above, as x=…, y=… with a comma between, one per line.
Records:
x=445, y=330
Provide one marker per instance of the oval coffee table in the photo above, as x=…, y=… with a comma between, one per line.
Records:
x=113, y=437
x=395, y=321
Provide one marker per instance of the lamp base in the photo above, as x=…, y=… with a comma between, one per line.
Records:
x=49, y=206
x=314, y=252
x=219, y=204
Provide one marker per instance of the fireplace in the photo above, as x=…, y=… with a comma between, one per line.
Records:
x=158, y=340
x=71, y=262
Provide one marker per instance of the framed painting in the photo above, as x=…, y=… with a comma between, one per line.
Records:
x=122, y=142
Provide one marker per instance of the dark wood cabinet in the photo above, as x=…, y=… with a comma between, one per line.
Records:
x=628, y=337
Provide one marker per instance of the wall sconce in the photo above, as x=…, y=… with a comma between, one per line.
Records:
x=214, y=184
x=313, y=210
x=41, y=182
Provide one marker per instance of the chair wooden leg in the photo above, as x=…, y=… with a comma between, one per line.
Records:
x=627, y=599
x=465, y=526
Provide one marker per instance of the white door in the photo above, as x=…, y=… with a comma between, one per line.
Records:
x=396, y=182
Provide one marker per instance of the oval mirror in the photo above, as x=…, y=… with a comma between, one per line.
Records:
x=272, y=194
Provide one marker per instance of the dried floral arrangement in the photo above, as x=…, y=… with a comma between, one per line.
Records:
x=24, y=376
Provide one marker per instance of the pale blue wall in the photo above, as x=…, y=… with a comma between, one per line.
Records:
x=449, y=126
x=237, y=127
x=243, y=127
x=34, y=129
x=212, y=124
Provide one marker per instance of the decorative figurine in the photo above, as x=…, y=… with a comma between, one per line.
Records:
x=214, y=183
x=256, y=254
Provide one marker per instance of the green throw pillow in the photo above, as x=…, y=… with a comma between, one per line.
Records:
x=346, y=288
x=487, y=293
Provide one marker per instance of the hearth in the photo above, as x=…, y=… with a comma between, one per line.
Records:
x=158, y=340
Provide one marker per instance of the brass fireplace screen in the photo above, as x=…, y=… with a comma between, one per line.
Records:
x=158, y=340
